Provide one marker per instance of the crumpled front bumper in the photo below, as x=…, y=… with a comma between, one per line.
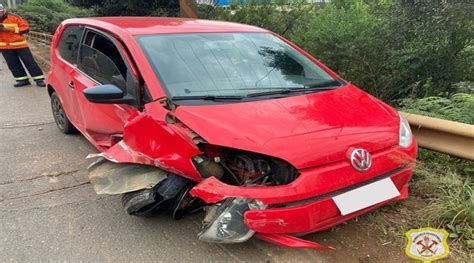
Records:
x=318, y=214
x=306, y=205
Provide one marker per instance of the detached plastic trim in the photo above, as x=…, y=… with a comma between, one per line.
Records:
x=291, y=241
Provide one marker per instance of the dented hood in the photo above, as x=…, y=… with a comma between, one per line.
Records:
x=305, y=130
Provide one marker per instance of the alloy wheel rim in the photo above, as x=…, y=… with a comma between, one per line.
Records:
x=58, y=113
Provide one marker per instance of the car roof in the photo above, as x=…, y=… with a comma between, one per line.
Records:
x=163, y=25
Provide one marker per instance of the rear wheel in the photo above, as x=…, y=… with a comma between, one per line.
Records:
x=60, y=118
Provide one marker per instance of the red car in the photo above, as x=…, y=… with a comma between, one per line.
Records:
x=230, y=118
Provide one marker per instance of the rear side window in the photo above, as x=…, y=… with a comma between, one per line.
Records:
x=69, y=43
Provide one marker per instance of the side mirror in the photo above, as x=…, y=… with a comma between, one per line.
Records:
x=106, y=94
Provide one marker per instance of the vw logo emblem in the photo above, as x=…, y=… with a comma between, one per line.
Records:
x=361, y=159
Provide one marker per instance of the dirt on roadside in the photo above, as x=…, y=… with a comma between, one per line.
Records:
x=41, y=53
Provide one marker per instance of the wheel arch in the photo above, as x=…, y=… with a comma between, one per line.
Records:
x=50, y=90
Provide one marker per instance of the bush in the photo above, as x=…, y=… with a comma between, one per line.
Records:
x=46, y=15
x=277, y=17
x=352, y=41
x=130, y=8
x=432, y=43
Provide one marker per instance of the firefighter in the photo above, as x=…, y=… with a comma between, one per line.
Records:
x=14, y=49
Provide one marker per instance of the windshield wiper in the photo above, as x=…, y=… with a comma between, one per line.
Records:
x=319, y=86
x=273, y=92
x=207, y=97
x=324, y=84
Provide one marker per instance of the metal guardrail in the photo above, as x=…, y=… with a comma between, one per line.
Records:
x=41, y=37
x=453, y=138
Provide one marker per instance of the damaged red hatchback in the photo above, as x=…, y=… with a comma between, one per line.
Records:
x=229, y=118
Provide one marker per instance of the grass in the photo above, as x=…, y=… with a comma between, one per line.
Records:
x=445, y=184
x=441, y=196
x=450, y=182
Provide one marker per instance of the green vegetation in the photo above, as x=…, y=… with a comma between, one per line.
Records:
x=447, y=185
x=458, y=107
x=441, y=196
x=46, y=15
x=392, y=49
x=278, y=17
x=130, y=8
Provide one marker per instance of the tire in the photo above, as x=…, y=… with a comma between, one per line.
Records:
x=60, y=118
x=140, y=203
x=169, y=195
x=184, y=204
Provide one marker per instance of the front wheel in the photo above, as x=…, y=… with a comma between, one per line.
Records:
x=60, y=118
x=141, y=203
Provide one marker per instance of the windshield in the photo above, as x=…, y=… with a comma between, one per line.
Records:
x=229, y=64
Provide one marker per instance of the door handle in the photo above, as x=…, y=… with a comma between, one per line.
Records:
x=71, y=84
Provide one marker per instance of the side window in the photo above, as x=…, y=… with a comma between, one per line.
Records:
x=100, y=59
x=69, y=43
x=100, y=67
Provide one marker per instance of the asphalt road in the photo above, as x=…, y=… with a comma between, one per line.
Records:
x=49, y=211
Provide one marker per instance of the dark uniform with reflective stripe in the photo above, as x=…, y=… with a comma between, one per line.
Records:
x=15, y=49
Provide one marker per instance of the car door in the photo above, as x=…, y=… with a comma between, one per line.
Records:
x=102, y=61
x=64, y=68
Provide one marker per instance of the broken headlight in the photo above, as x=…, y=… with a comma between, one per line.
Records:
x=226, y=224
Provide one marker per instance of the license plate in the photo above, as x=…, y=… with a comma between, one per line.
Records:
x=366, y=196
